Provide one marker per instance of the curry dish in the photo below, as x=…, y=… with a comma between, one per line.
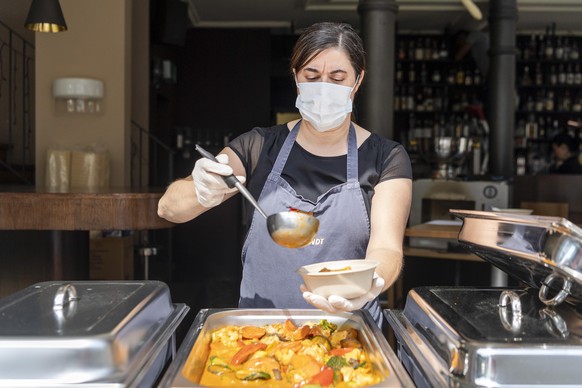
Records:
x=285, y=355
x=325, y=269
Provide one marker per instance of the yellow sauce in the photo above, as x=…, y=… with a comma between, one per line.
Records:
x=289, y=356
x=290, y=238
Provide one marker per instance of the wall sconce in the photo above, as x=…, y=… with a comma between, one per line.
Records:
x=45, y=16
x=78, y=95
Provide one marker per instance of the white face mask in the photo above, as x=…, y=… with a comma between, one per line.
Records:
x=325, y=105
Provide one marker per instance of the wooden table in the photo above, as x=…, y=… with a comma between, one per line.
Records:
x=111, y=209
x=442, y=231
x=437, y=231
x=68, y=218
x=396, y=294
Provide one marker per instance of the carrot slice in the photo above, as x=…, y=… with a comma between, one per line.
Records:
x=301, y=333
x=290, y=326
x=250, y=332
x=246, y=351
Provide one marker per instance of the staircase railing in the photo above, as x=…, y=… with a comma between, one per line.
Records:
x=148, y=150
x=16, y=107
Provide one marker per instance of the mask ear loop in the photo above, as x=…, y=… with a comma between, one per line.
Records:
x=356, y=83
x=353, y=87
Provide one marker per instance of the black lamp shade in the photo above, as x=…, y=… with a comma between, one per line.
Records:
x=45, y=16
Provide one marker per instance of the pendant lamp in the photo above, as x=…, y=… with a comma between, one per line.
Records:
x=45, y=16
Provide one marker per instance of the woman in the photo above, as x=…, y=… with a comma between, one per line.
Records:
x=357, y=184
x=565, y=152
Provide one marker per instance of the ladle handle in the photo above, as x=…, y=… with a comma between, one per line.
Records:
x=232, y=181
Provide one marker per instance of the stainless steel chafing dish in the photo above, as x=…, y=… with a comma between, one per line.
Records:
x=471, y=337
x=500, y=337
x=208, y=320
x=89, y=333
x=543, y=252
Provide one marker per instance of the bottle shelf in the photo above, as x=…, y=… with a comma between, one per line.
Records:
x=549, y=112
x=550, y=80
x=550, y=87
x=547, y=61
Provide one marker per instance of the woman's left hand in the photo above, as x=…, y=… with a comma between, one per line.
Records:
x=336, y=303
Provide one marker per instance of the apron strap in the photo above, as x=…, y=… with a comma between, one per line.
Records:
x=285, y=151
x=352, y=158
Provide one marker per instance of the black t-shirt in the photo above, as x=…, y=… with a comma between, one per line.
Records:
x=379, y=159
x=569, y=166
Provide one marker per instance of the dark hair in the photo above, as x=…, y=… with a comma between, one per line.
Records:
x=321, y=36
x=565, y=138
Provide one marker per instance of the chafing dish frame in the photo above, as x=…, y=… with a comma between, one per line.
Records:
x=140, y=318
x=437, y=352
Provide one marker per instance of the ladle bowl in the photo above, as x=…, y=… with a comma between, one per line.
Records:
x=290, y=229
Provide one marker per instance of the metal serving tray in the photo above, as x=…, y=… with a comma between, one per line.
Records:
x=543, y=252
x=487, y=337
x=208, y=320
x=90, y=333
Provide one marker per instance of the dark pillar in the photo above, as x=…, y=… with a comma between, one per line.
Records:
x=378, y=19
x=502, y=22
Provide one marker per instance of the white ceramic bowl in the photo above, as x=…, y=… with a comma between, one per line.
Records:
x=350, y=283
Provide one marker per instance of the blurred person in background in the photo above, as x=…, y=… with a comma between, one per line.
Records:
x=474, y=46
x=565, y=153
x=477, y=44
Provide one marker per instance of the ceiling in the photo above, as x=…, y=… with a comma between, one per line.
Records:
x=413, y=15
x=290, y=16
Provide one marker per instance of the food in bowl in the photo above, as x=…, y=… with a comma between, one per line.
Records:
x=346, y=278
x=283, y=354
x=325, y=269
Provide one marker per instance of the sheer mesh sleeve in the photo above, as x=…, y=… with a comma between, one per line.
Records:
x=396, y=165
x=248, y=148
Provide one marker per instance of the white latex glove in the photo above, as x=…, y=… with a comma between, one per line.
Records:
x=335, y=303
x=208, y=182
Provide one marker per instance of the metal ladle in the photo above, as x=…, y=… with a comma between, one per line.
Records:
x=291, y=229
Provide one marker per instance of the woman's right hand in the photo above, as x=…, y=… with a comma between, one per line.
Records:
x=208, y=180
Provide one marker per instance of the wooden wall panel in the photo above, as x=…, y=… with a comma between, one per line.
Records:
x=551, y=188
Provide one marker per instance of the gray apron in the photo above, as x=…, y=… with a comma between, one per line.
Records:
x=269, y=278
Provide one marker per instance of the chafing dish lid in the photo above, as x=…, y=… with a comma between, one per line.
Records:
x=467, y=315
x=80, y=331
x=543, y=252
